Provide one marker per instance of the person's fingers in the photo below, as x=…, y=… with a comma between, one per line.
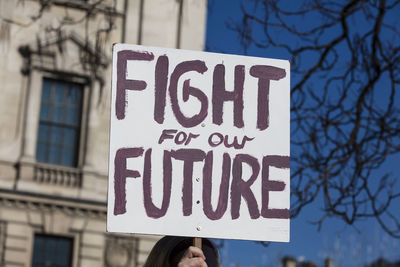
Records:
x=193, y=257
x=192, y=262
x=193, y=252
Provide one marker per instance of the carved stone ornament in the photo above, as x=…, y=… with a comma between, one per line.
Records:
x=120, y=252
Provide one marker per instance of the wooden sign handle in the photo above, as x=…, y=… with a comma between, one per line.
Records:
x=197, y=242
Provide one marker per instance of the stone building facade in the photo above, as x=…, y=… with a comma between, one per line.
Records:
x=55, y=76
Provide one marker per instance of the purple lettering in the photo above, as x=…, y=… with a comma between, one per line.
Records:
x=180, y=69
x=223, y=188
x=120, y=175
x=235, y=144
x=190, y=138
x=217, y=142
x=179, y=140
x=122, y=83
x=160, y=88
x=220, y=95
x=151, y=210
x=241, y=188
x=282, y=162
x=264, y=75
x=215, y=139
x=188, y=156
x=166, y=134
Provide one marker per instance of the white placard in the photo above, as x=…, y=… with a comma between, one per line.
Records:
x=199, y=144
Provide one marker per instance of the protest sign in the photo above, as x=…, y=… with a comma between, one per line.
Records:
x=199, y=144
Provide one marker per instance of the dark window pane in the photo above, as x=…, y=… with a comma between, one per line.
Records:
x=60, y=91
x=38, y=257
x=52, y=251
x=58, y=113
x=72, y=116
x=41, y=152
x=59, y=125
x=73, y=95
x=45, y=111
x=46, y=91
x=49, y=248
x=62, y=257
x=54, y=154
x=68, y=157
x=43, y=133
x=56, y=135
x=69, y=137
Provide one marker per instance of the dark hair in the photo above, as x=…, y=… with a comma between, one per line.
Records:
x=168, y=251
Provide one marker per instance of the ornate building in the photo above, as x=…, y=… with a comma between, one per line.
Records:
x=55, y=76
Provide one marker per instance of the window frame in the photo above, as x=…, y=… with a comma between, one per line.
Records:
x=52, y=122
x=76, y=243
x=71, y=240
x=32, y=118
x=85, y=83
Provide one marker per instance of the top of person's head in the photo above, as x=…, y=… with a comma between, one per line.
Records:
x=168, y=251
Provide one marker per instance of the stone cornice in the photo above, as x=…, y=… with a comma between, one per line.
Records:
x=34, y=201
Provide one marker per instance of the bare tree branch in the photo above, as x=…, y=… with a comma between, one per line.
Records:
x=345, y=100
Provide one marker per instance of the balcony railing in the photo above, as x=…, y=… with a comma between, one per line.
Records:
x=57, y=175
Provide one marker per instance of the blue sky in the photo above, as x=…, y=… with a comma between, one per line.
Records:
x=348, y=245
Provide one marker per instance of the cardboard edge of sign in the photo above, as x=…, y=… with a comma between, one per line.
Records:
x=108, y=230
x=120, y=46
